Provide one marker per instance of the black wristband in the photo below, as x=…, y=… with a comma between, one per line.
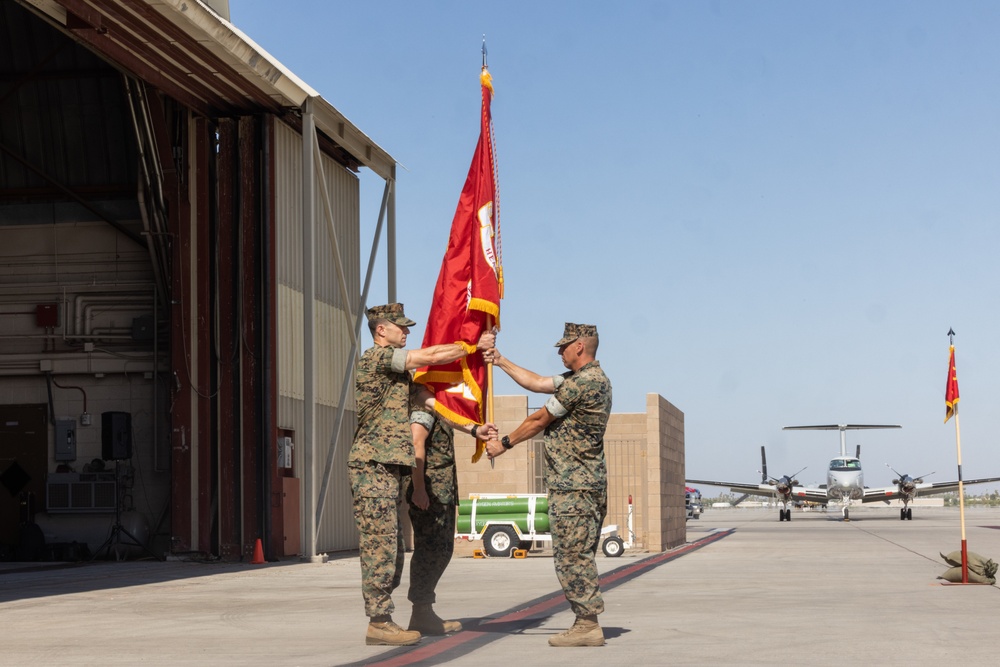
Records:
x=475, y=427
x=505, y=442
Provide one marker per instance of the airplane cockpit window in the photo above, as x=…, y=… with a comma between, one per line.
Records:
x=845, y=464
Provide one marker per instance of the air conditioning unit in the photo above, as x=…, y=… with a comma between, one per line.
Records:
x=80, y=492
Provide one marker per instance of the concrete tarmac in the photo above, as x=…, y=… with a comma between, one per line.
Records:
x=745, y=590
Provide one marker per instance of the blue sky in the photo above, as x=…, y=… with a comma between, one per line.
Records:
x=773, y=211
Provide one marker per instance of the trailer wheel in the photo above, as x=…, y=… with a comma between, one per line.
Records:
x=613, y=546
x=500, y=541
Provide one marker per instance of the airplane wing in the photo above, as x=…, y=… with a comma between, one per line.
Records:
x=752, y=489
x=838, y=427
x=843, y=428
x=923, y=489
x=885, y=494
x=767, y=490
x=812, y=494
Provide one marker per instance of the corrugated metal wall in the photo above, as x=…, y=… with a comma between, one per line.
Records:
x=333, y=321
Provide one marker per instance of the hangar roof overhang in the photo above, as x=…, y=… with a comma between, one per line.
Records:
x=205, y=62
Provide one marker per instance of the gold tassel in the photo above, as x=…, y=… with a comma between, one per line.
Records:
x=480, y=449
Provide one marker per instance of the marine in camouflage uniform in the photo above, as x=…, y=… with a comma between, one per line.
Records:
x=574, y=420
x=434, y=482
x=382, y=457
x=379, y=465
x=577, y=479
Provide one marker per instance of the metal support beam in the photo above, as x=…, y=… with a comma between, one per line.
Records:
x=345, y=386
x=390, y=241
x=338, y=261
x=308, y=324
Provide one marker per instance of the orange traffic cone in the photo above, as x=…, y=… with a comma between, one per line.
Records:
x=258, y=553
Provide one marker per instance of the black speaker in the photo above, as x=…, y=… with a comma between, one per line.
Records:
x=116, y=436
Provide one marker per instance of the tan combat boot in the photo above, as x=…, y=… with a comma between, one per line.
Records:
x=383, y=632
x=585, y=632
x=427, y=622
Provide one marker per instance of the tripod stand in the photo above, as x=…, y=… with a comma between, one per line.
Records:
x=118, y=530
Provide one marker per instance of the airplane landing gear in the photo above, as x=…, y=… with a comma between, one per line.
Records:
x=906, y=514
x=784, y=515
x=847, y=514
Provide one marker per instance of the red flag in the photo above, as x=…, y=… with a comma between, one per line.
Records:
x=470, y=285
x=951, y=391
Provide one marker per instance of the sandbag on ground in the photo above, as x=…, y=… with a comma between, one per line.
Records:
x=982, y=570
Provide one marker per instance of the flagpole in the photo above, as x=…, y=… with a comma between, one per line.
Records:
x=951, y=403
x=489, y=378
x=490, y=324
x=489, y=393
x=961, y=501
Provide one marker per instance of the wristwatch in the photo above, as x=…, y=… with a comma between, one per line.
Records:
x=505, y=441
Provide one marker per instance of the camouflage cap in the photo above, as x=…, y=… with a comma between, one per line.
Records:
x=574, y=331
x=392, y=312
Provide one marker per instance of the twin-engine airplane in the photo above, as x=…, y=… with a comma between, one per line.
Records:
x=844, y=481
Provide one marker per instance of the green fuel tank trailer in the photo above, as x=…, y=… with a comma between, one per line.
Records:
x=511, y=505
x=465, y=522
x=509, y=524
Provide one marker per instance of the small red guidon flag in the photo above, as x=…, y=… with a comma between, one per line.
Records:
x=951, y=391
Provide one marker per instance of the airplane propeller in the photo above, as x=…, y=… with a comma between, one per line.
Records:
x=784, y=483
x=907, y=487
x=905, y=481
x=782, y=486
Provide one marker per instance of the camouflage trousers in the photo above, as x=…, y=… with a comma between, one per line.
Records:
x=376, y=490
x=433, y=545
x=575, y=520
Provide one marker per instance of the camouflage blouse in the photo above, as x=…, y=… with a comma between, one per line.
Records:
x=382, y=392
x=574, y=442
x=440, y=473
